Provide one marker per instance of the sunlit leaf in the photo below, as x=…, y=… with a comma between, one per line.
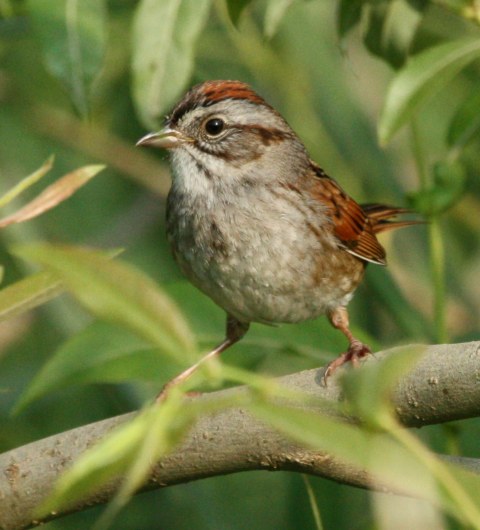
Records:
x=391, y=28
x=422, y=76
x=32, y=291
x=369, y=390
x=164, y=37
x=101, y=353
x=128, y=453
x=118, y=293
x=26, y=182
x=274, y=14
x=391, y=464
x=72, y=35
x=28, y=293
x=112, y=456
x=53, y=195
x=165, y=432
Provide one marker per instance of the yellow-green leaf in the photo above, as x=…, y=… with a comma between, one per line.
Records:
x=27, y=182
x=422, y=76
x=118, y=293
x=53, y=195
x=28, y=293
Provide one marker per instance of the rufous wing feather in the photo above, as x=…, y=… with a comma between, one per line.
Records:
x=356, y=226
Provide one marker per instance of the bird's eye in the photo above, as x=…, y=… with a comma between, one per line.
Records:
x=214, y=126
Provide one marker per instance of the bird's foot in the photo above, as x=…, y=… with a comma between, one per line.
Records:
x=356, y=351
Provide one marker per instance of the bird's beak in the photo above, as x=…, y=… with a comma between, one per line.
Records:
x=166, y=139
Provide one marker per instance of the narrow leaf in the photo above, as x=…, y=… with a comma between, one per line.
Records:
x=72, y=35
x=423, y=75
x=118, y=293
x=104, y=462
x=369, y=390
x=164, y=37
x=390, y=464
x=27, y=182
x=31, y=292
x=101, y=353
x=54, y=194
x=166, y=430
x=274, y=14
x=127, y=453
x=28, y=293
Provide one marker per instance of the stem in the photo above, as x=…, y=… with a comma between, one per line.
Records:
x=435, y=241
x=418, y=154
x=456, y=490
x=313, y=502
x=437, y=271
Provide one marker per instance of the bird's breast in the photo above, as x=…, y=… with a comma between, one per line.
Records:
x=261, y=260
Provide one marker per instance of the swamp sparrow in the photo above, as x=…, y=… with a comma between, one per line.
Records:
x=258, y=226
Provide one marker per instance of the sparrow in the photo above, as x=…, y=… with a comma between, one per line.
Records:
x=256, y=224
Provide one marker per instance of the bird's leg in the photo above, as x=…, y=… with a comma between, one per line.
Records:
x=356, y=349
x=235, y=330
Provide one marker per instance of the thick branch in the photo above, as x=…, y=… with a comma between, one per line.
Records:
x=444, y=386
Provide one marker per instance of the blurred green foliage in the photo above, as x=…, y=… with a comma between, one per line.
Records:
x=84, y=80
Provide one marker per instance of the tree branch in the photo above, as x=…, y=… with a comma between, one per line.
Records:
x=444, y=386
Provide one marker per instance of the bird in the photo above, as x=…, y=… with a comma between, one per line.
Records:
x=256, y=224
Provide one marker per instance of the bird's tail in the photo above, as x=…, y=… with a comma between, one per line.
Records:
x=381, y=215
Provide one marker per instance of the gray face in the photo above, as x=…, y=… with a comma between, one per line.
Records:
x=236, y=141
x=237, y=131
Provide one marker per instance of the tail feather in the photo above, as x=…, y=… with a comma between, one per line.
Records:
x=380, y=216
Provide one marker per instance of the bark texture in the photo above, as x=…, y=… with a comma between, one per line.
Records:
x=444, y=386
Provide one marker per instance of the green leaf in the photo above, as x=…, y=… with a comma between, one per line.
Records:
x=447, y=188
x=349, y=13
x=466, y=122
x=346, y=442
x=131, y=449
x=27, y=182
x=423, y=75
x=72, y=34
x=412, y=470
x=274, y=14
x=164, y=37
x=28, y=293
x=391, y=28
x=128, y=453
x=101, y=353
x=118, y=293
x=235, y=8
x=31, y=292
x=369, y=390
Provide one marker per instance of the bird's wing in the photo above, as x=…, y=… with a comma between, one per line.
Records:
x=351, y=224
